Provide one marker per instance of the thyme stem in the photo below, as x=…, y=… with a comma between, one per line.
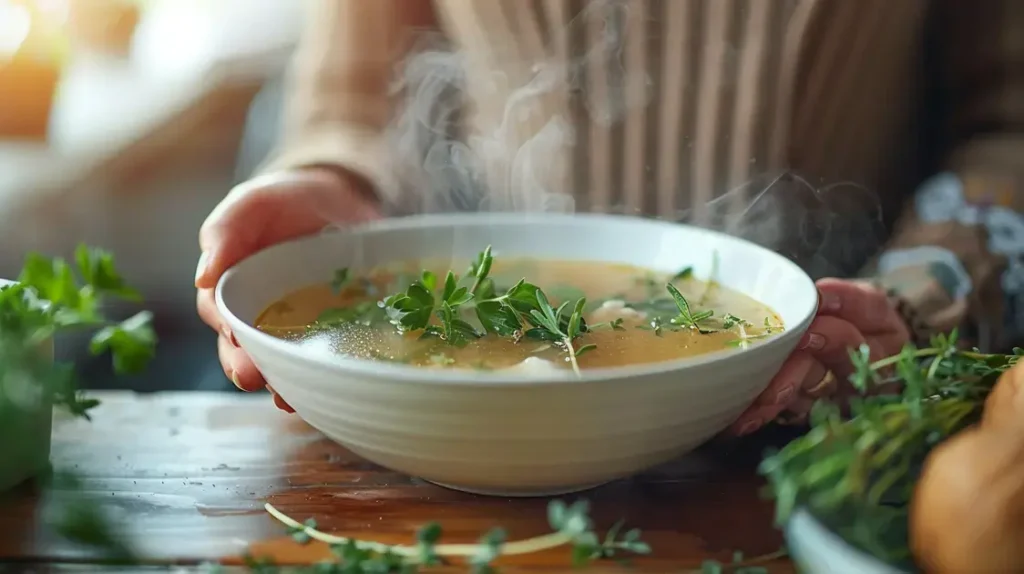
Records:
x=527, y=546
x=572, y=356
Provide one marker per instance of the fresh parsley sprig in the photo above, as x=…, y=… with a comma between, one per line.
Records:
x=413, y=309
x=523, y=310
x=52, y=296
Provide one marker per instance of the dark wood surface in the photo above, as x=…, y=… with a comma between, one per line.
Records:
x=187, y=474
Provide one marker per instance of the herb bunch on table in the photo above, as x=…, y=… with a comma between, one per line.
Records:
x=928, y=477
x=53, y=296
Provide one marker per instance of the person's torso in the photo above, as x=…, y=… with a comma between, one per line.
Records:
x=663, y=107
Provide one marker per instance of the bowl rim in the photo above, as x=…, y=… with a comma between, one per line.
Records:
x=405, y=373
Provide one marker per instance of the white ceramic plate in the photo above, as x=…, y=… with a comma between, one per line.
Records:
x=517, y=434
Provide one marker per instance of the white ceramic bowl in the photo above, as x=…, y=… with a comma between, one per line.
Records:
x=515, y=434
x=818, y=550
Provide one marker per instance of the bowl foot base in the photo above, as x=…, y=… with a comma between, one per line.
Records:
x=520, y=493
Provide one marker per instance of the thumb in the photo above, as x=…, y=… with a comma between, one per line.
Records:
x=275, y=208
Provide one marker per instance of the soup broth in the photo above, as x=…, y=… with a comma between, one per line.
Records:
x=628, y=316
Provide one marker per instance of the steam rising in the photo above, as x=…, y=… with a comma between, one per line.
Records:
x=521, y=162
x=447, y=157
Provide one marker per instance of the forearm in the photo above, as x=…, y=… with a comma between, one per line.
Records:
x=339, y=102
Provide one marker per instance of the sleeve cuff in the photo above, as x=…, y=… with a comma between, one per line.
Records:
x=354, y=148
x=931, y=282
x=942, y=266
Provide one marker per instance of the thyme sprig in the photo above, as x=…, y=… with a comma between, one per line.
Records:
x=741, y=564
x=459, y=310
x=856, y=473
x=745, y=338
x=571, y=525
x=686, y=317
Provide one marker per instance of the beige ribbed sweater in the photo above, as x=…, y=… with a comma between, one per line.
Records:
x=685, y=109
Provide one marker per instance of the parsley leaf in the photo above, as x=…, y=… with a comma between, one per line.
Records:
x=52, y=296
x=132, y=343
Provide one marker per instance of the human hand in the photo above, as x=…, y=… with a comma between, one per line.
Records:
x=850, y=314
x=257, y=214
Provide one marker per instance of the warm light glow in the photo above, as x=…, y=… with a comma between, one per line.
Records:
x=57, y=9
x=15, y=22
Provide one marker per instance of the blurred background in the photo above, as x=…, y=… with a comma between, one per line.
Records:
x=122, y=123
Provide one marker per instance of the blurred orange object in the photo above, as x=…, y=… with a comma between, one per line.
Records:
x=967, y=514
x=27, y=89
x=104, y=25
x=30, y=68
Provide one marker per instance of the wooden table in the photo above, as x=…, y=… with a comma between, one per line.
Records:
x=187, y=475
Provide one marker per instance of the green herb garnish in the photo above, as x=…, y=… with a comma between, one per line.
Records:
x=554, y=325
x=614, y=325
x=686, y=317
x=656, y=325
x=730, y=321
x=740, y=564
x=684, y=273
x=523, y=310
x=460, y=310
x=571, y=525
x=745, y=338
x=340, y=280
x=413, y=310
x=364, y=313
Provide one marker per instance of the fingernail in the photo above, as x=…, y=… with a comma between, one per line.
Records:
x=784, y=396
x=234, y=380
x=749, y=427
x=281, y=404
x=829, y=301
x=812, y=341
x=201, y=266
x=229, y=336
